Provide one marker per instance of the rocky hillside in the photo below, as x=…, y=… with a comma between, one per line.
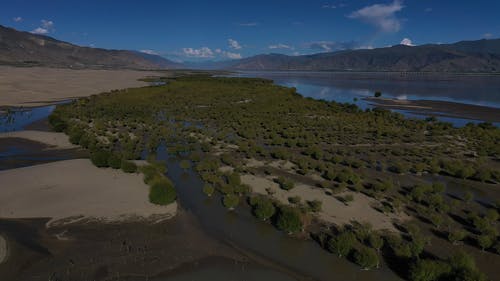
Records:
x=465, y=56
x=27, y=49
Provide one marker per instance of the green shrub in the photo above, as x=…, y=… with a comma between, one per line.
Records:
x=263, y=208
x=230, y=201
x=185, y=164
x=341, y=244
x=128, y=166
x=162, y=192
x=208, y=189
x=114, y=161
x=366, y=258
x=100, y=158
x=75, y=135
x=294, y=199
x=151, y=173
x=315, y=205
x=289, y=219
x=57, y=123
x=429, y=270
x=376, y=241
x=285, y=184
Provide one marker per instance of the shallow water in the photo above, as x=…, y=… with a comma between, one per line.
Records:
x=352, y=88
x=241, y=229
x=16, y=119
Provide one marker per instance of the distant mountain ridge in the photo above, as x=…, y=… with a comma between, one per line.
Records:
x=465, y=56
x=26, y=49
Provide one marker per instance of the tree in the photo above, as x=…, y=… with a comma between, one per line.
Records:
x=485, y=241
x=114, y=161
x=128, y=166
x=468, y=196
x=100, y=158
x=264, y=209
x=162, y=192
x=289, y=220
x=429, y=270
x=185, y=164
x=366, y=258
x=230, y=201
x=417, y=245
x=492, y=215
x=456, y=236
x=376, y=241
x=463, y=267
x=315, y=205
x=341, y=244
x=285, y=184
x=234, y=179
x=208, y=189
x=377, y=94
x=436, y=219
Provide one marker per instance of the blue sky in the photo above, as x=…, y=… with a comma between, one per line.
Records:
x=216, y=30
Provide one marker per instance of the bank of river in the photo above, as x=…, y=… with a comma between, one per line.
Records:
x=204, y=240
x=476, y=95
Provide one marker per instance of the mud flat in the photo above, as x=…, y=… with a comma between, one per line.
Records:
x=440, y=108
x=32, y=86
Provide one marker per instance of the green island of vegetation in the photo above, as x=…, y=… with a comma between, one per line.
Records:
x=427, y=172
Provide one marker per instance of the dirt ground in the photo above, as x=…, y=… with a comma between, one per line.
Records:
x=31, y=86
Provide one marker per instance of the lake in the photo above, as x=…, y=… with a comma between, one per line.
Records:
x=354, y=87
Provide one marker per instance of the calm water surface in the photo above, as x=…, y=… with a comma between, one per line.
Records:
x=353, y=87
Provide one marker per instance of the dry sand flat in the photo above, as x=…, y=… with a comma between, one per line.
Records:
x=30, y=86
x=76, y=189
x=53, y=139
x=333, y=210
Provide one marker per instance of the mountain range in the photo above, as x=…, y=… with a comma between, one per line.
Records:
x=27, y=49
x=464, y=56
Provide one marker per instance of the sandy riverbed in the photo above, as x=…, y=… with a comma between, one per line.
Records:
x=333, y=210
x=52, y=139
x=76, y=189
x=30, y=86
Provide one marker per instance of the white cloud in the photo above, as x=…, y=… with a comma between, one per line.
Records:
x=380, y=15
x=46, y=27
x=149, y=52
x=248, y=24
x=407, y=42
x=40, y=30
x=280, y=46
x=203, y=52
x=218, y=51
x=17, y=19
x=233, y=44
x=329, y=6
x=232, y=56
x=487, y=36
x=47, y=24
x=367, y=47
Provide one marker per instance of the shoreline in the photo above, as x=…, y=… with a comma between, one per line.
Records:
x=73, y=190
x=439, y=108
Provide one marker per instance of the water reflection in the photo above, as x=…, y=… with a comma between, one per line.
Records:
x=352, y=88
